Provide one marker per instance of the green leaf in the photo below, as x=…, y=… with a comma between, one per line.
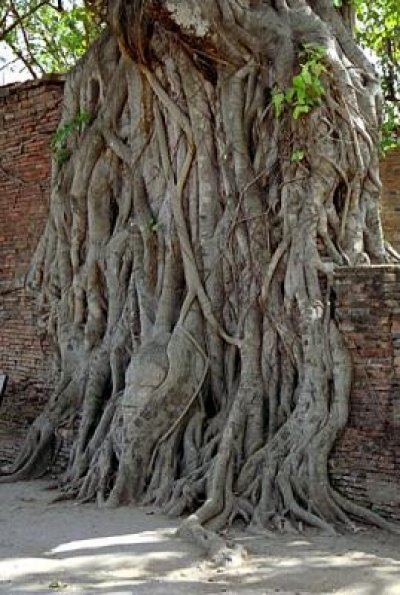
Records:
x=299, y=110
x=297, y=155
x=306, y=75
x=289, y=94
x=317, y=68
x=278, y=100
x=298, y=82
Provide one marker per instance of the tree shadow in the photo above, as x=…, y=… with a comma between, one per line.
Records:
x=132, y=550
x=152, y=563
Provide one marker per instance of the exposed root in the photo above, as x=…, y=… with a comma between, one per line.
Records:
x=221, y=552
x=187, y=265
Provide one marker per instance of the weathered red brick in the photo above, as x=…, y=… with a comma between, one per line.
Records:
x=24, y=195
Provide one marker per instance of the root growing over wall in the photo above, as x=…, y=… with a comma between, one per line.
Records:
x=187, y=264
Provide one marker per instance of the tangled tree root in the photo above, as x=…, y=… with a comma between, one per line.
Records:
x=187, y=264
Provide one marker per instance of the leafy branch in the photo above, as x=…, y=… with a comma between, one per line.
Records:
x=47, y=36
x=307, y=88
x=19, y=18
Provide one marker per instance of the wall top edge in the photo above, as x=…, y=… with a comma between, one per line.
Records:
x=7, y=90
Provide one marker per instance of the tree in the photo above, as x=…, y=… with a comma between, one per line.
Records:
x=216, y=161
x=379, y=31
x=47, y=36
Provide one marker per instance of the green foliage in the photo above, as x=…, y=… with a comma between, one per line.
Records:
x=307, y=88
x=59, y=142
x=297, y=155
x=391, y=128
x=47, y=36
x=278, y=101
x=378, y=30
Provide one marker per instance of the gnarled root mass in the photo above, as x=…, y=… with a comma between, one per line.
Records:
x=187, y=263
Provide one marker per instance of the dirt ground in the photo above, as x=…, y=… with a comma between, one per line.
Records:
x=47, y=548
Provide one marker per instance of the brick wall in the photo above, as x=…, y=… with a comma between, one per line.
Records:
x=29, y=114
x=366, y=462
x=390, y=174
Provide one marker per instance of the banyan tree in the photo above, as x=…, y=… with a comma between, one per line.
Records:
x=216, y=161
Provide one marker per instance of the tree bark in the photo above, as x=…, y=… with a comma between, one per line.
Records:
x=188, y=258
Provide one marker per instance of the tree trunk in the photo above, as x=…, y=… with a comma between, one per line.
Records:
x=187, y=261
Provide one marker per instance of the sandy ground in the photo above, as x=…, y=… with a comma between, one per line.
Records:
x=47, y=548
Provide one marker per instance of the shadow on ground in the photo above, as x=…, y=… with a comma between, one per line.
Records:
x=65, y=548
